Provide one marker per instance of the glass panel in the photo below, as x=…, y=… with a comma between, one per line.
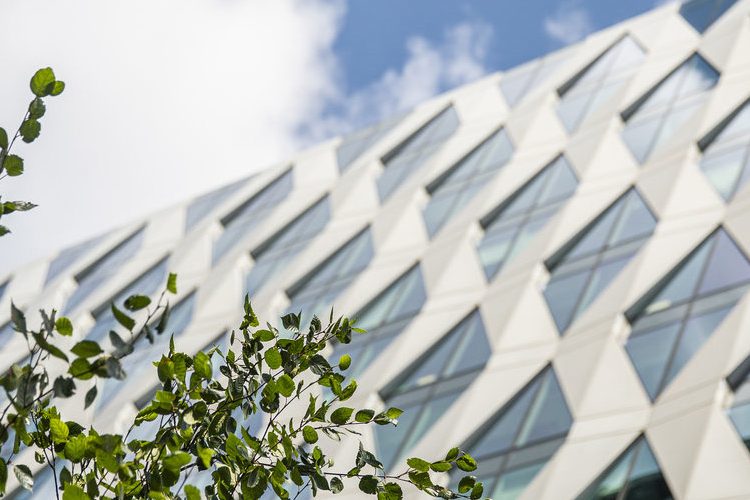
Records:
x=703, y=13
x=357, y=143
x=727, y=267
x=503, y=433
x=549, y=416
x=471, y=351
x=740, y=416
x=639, y=136
x=65, y=259
x=201, y=206
x=562, y=295
x=512, y=483
x=650, y=352
x=724, y=169
x=3, y=286
x=682, y=285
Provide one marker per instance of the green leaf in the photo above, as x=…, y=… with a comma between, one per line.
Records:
x=466, y=463
x=368, y=484
x=341, y=415
x=3, y=140
x=86, y=349
x=172, y=283
x=13, y=164
x=3, y=475
x=344, y=362
x=58, y=430
x=191, y=492
x=23, y=474
x=466, y=483
x=122, y=318
x=64, y=387
x=452, y=454
x=72, y=491
x=476, y=491
x=90, y=397
x=18, y=318
x=30, y=130
x=63, y=326
x=418, y=464
x=389, y=416
x=137, y=302
x=310, y=434
x=202, y=365
x=336, y=485
x=37, y=108
x=273, y=358
x=441, y=466
x=364, y=416
x=81, y=368
x=57, y=88
x=291, y=321
x=285, y=385
x=4, y=230
x=41, y=80
x=114, y=368
x=15, y=206
x=75, y=448
x=205, y=454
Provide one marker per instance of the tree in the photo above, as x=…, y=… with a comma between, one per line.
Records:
x=278, y=378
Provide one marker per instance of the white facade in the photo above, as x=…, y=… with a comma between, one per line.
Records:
x=616, y=112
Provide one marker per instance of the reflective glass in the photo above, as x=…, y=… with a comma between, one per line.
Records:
x=596, y=257
x=523, y=436
x=703, y=13
x=429, y=388
x=687, y=307
x=68, y=257
x=414, y=151
x=518, y=219
x=456, y=188
x=353, y=145
x=100, y=271
x=655, y=117
x=518, y=82
x=3, y=286
x=315, y=293
x=201, y=206
x=726, y=160
x=243, y=219
x=599, y=82
x=282, y=247
x=634, y=475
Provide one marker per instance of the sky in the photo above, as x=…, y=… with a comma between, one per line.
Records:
x=167, y=99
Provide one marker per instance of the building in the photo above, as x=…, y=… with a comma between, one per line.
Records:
x=552, y=262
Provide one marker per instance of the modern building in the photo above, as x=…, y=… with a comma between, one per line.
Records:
x=552, y=262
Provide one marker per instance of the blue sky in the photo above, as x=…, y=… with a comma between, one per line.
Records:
x=166, y=100
x=375, y=33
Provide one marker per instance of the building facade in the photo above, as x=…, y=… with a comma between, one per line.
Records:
x=552, y=262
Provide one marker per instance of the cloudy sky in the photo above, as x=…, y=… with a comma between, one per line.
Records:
x=168, y=98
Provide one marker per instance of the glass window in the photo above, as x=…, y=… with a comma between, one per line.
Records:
x=201, y=206
x=146, y=284
x=3, y=286
x=682, y=312
x=702, y=13
x=596, y=256
x=6, y=334
x=282, y=247
x=517, y=442
x=315, y=293
x=518, y=82
x=739, y=413
x=247, y=216
x=428, y=389
x=384, y=318
x=414, y=151
x=516, y=221
x=353, y=145
x=654, y=118
x=100, y=271
x=454, y=189
x=595, y=84
x=726, y=160
x=634, y=475
x=67, y=257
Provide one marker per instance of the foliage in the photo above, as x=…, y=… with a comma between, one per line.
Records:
x=255, y=418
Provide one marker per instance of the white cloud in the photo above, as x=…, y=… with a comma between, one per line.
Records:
x=167, y=99
x=568, y=24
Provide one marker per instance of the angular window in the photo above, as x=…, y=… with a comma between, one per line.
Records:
x=702, y=13
x=520, y=81
x=681, y=312
x=634, y=475
x=315, y=293
x=353, y=145
x=598, y=82
x=431, y=385
x=522, y=438
x=136, y=364
x=244, y=218
x=282, y=247
x=596, y=256
x=6, y=334
x=726, y=158
x=512, y=225
x=414, y=151
x=3, y=286
x=739, y=413
x=201, y=206
x=384, y=318
x=69, y=256
x=455, y=188
x=656, y=116
x=100, y=271
x=146, y=284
